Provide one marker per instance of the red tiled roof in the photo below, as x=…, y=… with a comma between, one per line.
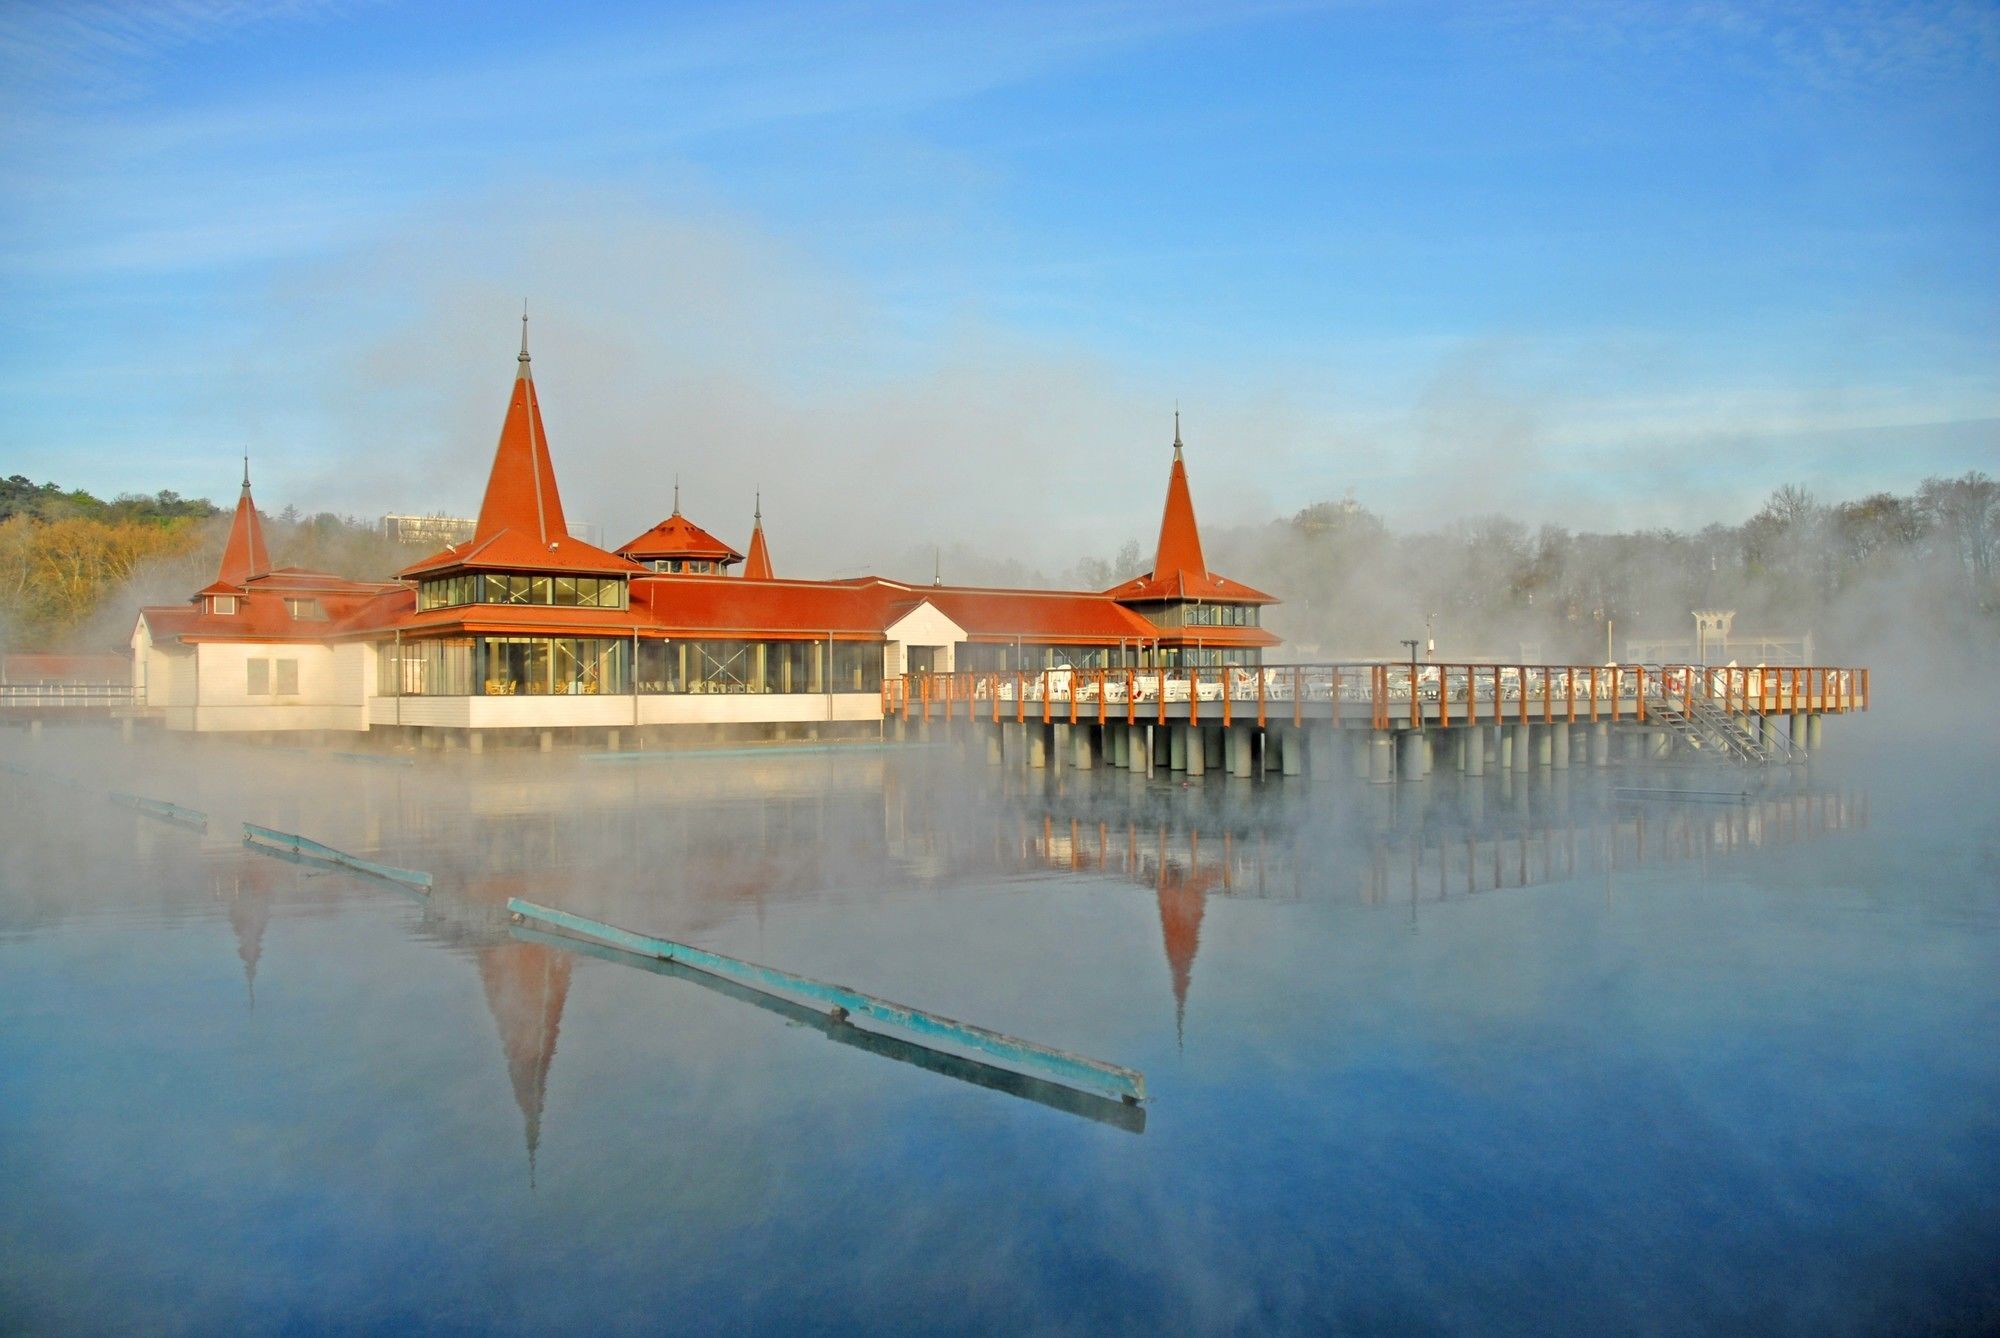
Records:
x=521, y=525
x=1182, y=585
x=261, y=612
x=1179, y=569
x=244, y=556
x=1035, y=615
x=757, y=567
x=678, y=537
x=729, y=606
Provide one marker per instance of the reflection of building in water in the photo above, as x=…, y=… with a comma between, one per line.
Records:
x=1440, y=860
x=526, y=987
x=244, y=888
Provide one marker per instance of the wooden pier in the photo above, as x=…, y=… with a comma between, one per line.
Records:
x=1386, y=721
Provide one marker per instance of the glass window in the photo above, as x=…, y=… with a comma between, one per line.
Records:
x=307, y=609
x=222, y=604
x=287, y=674
x=259, y=678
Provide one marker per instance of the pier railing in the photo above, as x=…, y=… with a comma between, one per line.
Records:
x=65, y=696
x=1377, y=694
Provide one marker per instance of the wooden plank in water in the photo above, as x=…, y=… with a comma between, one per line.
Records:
x=266, y=838
x=1091, y=1075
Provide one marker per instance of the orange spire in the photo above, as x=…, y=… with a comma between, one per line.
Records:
x=1180, y=541
x=521, y=491
x=243, y=556
x=757, y=567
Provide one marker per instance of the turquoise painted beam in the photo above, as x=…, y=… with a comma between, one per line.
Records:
x=1107, y=1110
x=265, y=838
x=164, y=811
x=1090, y=1075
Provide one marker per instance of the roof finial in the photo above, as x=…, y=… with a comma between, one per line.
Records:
x=937, y=564
x=246, y=472
x=1177, y=429
x=758, y=514
x=677, y=494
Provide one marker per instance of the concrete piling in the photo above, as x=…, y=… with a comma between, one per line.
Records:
x=1813, y=727
x=1292, y=751
x=1193, y=749
x=1381, y=757
x=1472, y=752
x=1558, y=746
x=1246, y=751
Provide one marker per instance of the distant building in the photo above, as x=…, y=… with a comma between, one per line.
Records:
x=519, y=624
x=428, y=530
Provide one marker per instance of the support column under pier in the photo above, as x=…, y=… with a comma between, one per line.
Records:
x=1292, y=752
x=1038, y=747
x=1523, y=752
x=996, y=753
x=1410, y=755
x=1246, y=751
x=1472, y=751
x=1600, y=744
x=1798, y=735
x=1177, y=742
x=1192, y=749
x=1381, y=757
x=1558, y=746
x=1813, y=726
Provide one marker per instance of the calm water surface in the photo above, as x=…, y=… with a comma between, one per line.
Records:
x=1486, y=1057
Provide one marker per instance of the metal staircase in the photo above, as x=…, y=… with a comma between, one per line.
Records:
x=1708, y=729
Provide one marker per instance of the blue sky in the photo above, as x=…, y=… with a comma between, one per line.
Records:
x=927, y=272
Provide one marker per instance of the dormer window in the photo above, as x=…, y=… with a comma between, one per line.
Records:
x=225, y=604
x=305, y=610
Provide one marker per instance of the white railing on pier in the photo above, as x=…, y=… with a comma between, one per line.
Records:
x=58, y=696
x=1380, y=694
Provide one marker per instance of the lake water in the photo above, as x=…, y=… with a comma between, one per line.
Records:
x=1500, y=1056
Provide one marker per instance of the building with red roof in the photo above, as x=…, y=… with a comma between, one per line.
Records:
x=525, y=625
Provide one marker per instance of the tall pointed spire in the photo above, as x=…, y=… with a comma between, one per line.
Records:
x=1180, y=540
x=244, y=555
x=521, y=491
x=757, y=567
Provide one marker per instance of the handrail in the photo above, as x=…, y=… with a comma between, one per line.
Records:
x=1412, y=695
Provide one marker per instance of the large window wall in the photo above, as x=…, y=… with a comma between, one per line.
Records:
x=493, y=587
x=760, y=666
x=561, y=666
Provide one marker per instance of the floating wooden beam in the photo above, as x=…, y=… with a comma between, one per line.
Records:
x=306, y=849
x=1090, y=1075
x=164, y=811
x=1057, y=1096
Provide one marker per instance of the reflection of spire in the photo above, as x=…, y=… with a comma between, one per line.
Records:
x=1182, y=894
x=248, y=906
x=526, y=986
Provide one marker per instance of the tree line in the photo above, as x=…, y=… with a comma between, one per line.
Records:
x=75, y=569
